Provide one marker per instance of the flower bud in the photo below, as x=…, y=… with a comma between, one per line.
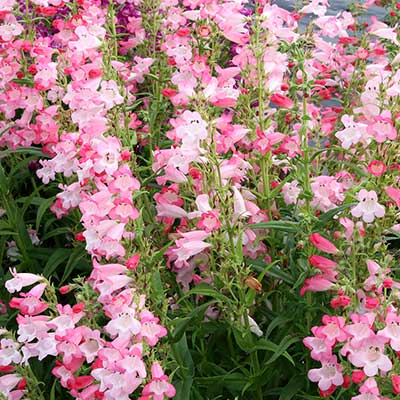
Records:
x=64, y=289
x=357, y=376
x=253, y=283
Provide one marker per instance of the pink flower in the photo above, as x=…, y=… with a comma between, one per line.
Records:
x=322, y=263
x=291, y=191
x=209, y=221
x=333, y=329
x=328, y=192
x=369, y=391
x=266, y=140
x=159, y=387
x=30, y=303
x=323, y=244
x=385, y=32
x=360, y=329
x=329, y=374
x=9, y=352
x=151, y=331
x=282, y=101
x=392, y=330
x=368, y=208
x=190, y=245
x=10, y=28
x=320, y=350
x=382, y=128
x=317, y=283
x=124, y=325
x=108, y=151
x=20, y=280
x=7, y=384
x=239, y=205
x=86, y=40
x=370, y=356
x=394, y=194
x=376, y=168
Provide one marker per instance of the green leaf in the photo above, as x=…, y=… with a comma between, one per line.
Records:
x=274, y=271
x=275, y=323
x=7, y=232
x=160, y=253
x=233, y=381
x=183, y=323
x=245, y=340
x=279, y=350
x=206, y=290
x=184, y=359
x=45, y=204
x=293, y=387
x=55, y=232
x=327, y=217
x=157, y=286
x=27, y=150
x=285, y=226
x=57, y=258
x=53, y=391
x=73, y=260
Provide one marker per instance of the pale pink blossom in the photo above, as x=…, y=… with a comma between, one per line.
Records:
x=368, y=207
x=329, y=374
x=21, y=280
x=159, y=387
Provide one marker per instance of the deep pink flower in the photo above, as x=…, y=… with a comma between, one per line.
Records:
x=322, y=263
x=396, y=384
x=323, y=244
x=376, y=168
x=317, y=283
x=30, y=303
x=209, y=221
x=282, y=101
x=394, y=194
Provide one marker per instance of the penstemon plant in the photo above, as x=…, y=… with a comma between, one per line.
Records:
x=199, y=200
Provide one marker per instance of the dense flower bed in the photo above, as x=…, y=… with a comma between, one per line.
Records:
x=199, y=200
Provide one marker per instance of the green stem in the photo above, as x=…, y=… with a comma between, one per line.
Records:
x=306, y=158
x=111, y=13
